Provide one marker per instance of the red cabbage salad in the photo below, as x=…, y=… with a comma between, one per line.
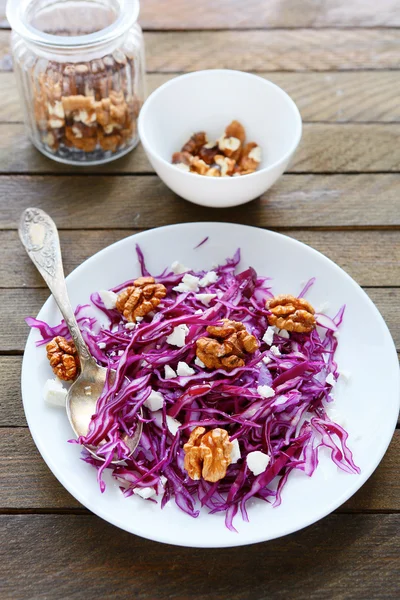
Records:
x=274, y=407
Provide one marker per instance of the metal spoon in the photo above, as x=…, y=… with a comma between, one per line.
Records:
x=39, y=236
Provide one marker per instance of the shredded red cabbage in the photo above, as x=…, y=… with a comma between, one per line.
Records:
x=291, y=426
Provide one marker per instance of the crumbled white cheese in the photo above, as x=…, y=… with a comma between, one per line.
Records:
x=268, y=336
x=235, y=452
x=155, y=401
x=322, y=308
x=184, y=370
x=177, y=337
x=336, y=334
x=163, y=480
x=266, y=360
x=199, y=312
x=178, y=268
x=88, y=390
x=189, y=283
x=199, y=362
x=130, y=326
x=145, y=492
x=257, y=461
x=205, y=298
x=169, y=373
x=120, y=352
x=54, y=393
x=275, y=350
x=330, y=380
x=210, y=277
x=283, y=333
x=345, y=375
x=101, y=345
x=265, y=391
x=108, y=298
x=173, y=425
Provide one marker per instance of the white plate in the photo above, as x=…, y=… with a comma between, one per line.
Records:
x=367, y=405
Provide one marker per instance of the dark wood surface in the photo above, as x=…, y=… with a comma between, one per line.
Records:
x=339, y=60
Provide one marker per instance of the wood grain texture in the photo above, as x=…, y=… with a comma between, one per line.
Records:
x=324, y=148
x=144, y=201
x=227, y=14
x=20, y=303
x=274, y=50
x=343, y=557
x=230, y=14
x=371, y=257
x=11, y=410
x=26, y=481
x=334, y=97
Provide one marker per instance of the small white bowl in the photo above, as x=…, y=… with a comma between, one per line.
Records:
x=208, y=101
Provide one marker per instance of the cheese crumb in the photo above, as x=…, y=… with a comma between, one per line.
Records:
x=173, y=425
x=275, y=350
x=101, y=345
x=235, y=452
x=178, y=268
x=145, y=492
x=130, y=325
x=330, y=380
x=54, y=393
x=283, y=333
x=205, y=298
x=266, y=360
x=199, y=363
x=169, y=373
x=189, y=283
x=268, y=336
x=155, y=401
x=257, y=461
x=184, y=370
x=108, y=298
x=210, y=277
x=178, y=336
x=265, y=391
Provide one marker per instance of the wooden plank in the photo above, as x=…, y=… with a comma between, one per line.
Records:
x=371, y=257
x=274, y=50
x=20, y=303
x=294, y=201
x=231, y=14
x=11, y=411
x=341, y=557
x=26, y=481
x=360, y=96
x=325, y=148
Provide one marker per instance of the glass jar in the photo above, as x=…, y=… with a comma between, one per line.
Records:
x=80, y=71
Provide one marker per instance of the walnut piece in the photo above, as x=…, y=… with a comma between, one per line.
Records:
x=207, y=455
x=140, y=298
x=63, y=358
x=196, y=141
x=291, y=313
x=250, y=159
x=227, y=157
x=227, y=345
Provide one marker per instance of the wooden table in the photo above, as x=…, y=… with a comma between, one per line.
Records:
x=338, y=59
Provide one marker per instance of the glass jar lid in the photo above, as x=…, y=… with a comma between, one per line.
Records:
x=25, y=17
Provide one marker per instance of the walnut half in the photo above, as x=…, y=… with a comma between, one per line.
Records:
x=207, y=455
x=226, y=346
x=291, y=313
x=140, y=298
x=63, y=358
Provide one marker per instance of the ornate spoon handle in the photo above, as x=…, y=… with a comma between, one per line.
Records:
x=39, y=236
